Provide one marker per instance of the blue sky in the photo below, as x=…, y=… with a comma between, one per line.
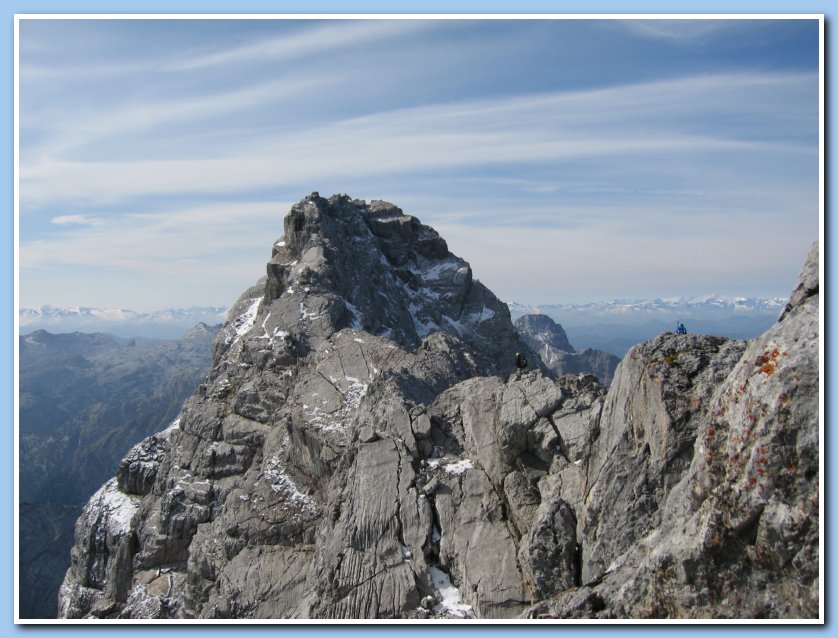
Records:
x=566, y=160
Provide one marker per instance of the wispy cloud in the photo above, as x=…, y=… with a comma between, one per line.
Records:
x=155, y=239
x=77, y=220
x=678, y=31
x=311, y=41
x=73, y=131
x=675, y=118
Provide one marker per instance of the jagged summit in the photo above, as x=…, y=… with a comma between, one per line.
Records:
x=544, y=333
x=343, y=263
x=314, y=415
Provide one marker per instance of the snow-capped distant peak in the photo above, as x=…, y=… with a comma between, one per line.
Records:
x=757, y=304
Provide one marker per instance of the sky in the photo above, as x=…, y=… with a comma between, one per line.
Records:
x=567, y=161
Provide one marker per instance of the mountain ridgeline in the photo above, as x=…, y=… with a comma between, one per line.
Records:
x=364, y=448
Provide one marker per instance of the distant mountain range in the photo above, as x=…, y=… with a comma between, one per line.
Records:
x=615, y=326
x=705, y=307
x=170, y=323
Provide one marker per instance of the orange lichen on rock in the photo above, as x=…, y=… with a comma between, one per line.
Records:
x=765, y=363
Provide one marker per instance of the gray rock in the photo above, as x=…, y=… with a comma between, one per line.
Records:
x=601, y=364
x=550, y=552
x=649, y=423
x=808, y=282
x=543, y=335
x=737, y=534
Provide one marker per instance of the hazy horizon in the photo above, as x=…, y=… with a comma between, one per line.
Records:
x=566, y=160
x=216, y=306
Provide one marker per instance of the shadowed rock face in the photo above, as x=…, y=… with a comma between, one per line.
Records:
x=541, y=331
x=360, y=451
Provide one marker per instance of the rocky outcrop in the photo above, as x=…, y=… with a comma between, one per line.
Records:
x=363, y=448
x=736, y=532
x=550, y=341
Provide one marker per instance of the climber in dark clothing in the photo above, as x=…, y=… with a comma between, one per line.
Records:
x=520, y=361
x=681, y=329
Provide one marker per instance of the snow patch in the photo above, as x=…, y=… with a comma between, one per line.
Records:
x=306, y=314
x=486, y=314
x=435, y=271
x=352, y=391
x=119, y=508
x=455, y=468
x=423, y=328
x=451, y=601
x=454, y=324
x=271, y=337
x=174, y=425
x=355, y=392
x=357, y=315
x=244, y=322
x=293, y=499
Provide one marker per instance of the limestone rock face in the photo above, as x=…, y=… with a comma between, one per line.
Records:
x=289, y=486
x=363, y=448
x=660, y=395
x=725, y=504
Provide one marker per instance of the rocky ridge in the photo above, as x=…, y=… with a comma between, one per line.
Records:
x=722, y=518
x=364, y=449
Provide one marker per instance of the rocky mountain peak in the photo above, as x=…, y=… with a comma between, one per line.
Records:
x=343, y=263
x=543, y=331
x=808, y=282
x=361, y=450
x=550, y=341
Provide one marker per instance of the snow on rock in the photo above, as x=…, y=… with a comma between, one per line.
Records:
x=119, y=508
x=174, y=425
x=308, y=315
x=355, y=392
x=450, y=601
x=244, y=322
x=455, y=468
x=275, y=473
x=435, y=271
x=357, y=316
x=423, y=328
